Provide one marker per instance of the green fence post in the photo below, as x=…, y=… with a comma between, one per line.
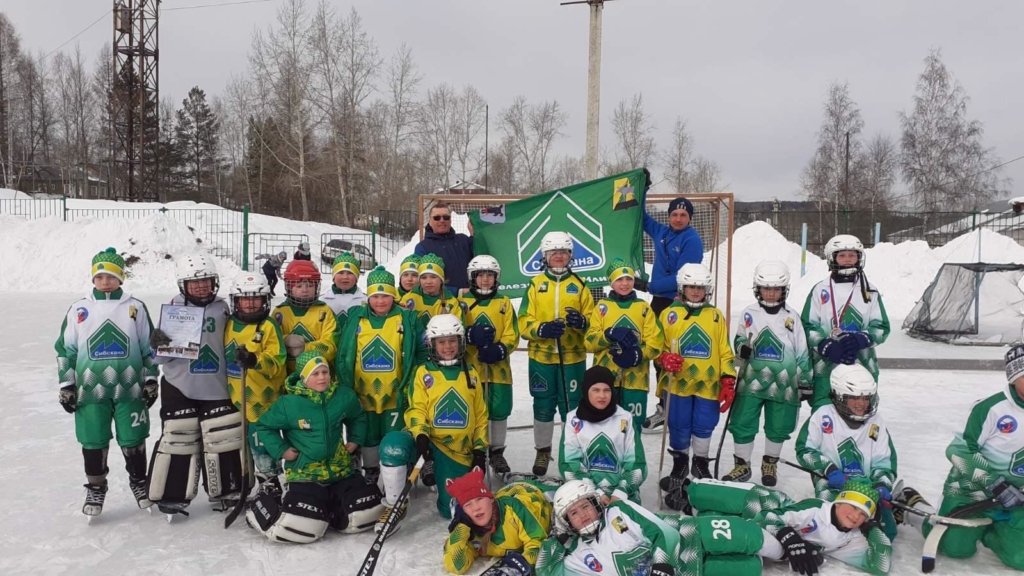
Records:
x=64, y=207
x=245, y=237
x=373, y=242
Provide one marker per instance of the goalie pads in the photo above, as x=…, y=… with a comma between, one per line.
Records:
x=174, y=470
x=300, y=519
x=359, y=504
x=222, y=448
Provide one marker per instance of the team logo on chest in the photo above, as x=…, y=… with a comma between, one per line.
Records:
x=206, y=363
x=852, y=320
x=428, y=381
x=451, y=411
x=410, y=304
x=301, y=330
x=572, y=289
x=695, y=343
x=825, y=296
x=108, y=343
x=602, y=309
x=768, y=347
x=233, y=369
x=1007, y=424
x=672, y=317
x=851, y=457
x=826, y=424
x=378, y=356
x=601, y=455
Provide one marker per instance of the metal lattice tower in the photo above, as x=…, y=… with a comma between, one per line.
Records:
x=135, y=99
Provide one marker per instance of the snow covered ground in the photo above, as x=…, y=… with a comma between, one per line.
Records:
x=47, y=534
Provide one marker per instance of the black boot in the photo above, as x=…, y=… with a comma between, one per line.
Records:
x=701, y=467
x=498, y=463
x=769, y=471
x=680, y=469
x=540, y=463
x=740, y=472
x=135, y=464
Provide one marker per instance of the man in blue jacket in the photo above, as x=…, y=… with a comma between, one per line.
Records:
x=454, y=248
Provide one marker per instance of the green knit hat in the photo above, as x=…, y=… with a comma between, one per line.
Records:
x=618, y=268
x=431, y=264
x=860, y=494
x=409, y=264
x=380, y=281
x=108, y=262
x=345, y=261
x=309, y=361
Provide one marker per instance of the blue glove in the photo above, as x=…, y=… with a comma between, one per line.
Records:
x=480, y=335
x=553, y=330
x=832, y=349
x=573, y=319
x=836, y=478
x=884, y=493
x=624, y=337
x=1008, y=495
x=513, y=564
x=627, y=357
x=492, y=354
x=857, y=340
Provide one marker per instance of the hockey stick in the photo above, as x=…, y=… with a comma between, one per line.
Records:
x=728, y=417
x=487, y=399
x=370, y=562
x=940, y=524
x=664, y=429
x=243, y=459
x=561, y=371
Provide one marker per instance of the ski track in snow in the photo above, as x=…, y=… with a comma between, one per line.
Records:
x=46, y=532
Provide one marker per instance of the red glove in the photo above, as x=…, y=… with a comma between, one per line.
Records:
x=727, y=394
x=671, y=362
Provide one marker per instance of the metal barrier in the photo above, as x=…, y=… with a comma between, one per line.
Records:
x=362, y=246
x=262, y=245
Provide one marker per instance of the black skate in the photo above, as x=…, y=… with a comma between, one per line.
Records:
x=140, y=492
x=740, y=472
x=655, y=421
x=427, y=474
x=907, y=497
x=676, y=497
x=701, y=468
x=769, y=471
x=540, y=463
x=172, y=509
x=95, y=495
x=498, y=463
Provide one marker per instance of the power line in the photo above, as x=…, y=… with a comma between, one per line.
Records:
x=961, y=178
x=198, y=6
x=95, y=22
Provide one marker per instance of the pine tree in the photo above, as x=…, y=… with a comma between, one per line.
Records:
x=195, y=140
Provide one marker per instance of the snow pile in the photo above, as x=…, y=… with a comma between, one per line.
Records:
x=50, y=255
x=901, y=273
x=995, y=249
x=8, y=194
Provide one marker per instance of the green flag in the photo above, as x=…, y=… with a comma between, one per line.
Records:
x=604, y=218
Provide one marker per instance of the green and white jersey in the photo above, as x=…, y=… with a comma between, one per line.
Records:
x=991, y=445
x=103, y=347
x=630, y=540
x=779, y=361
x=827, y=440
x=341, y=301
x=840, y=306
x=609, y=453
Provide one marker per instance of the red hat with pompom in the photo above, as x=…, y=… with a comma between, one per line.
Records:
x=468, y=487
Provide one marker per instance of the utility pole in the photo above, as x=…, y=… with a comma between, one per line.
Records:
x=487, y=144
x=846, y=178
x=593, y=86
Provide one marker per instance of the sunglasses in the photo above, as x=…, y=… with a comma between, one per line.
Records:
x=439, y=217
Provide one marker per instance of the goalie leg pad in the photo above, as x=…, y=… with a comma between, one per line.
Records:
x=303, y=516
x=221, y=426
x=356, y=504
x=174, y=470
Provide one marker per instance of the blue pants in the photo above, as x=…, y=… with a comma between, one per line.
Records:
x=690, y=416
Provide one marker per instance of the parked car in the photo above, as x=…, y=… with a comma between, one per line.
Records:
x=337, y=246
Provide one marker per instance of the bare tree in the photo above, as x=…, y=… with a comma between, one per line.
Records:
x=824, y=178
x=568, y=170
x=706, y=177
x=942, y=156
x=678, y=158
x=469, y=132
x=438, y=132
x=10, y=51
x=75, y=111
x=531, y=129
x=876, y=173
x=634, y=133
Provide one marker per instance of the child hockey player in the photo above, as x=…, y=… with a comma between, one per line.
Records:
x=988, y=462
x=698, y=376
x=844, y=316
x=601, y=443
x=624, y=336
x=383, y=347
x=325, y=487
x=272, y=268
x=772, y=343
x=302, y=252
x=344, y=293
x=432, y=297
x=492, y=334
x=196, y=413
x=408, y=274
x=106, y=375
x=445, y=424
x=307, y=323
x=511, y=524
x=844, y=529
x=253, y=340
x=553, y=318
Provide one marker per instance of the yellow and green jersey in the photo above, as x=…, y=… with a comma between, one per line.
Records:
x=497, y=312
x=265, y=381
x=701, y=337
x=426, y=306
x=449, y=409
x=315, y=324
x=636, y=315
x=547, y=298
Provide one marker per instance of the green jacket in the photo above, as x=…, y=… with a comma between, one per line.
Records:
x=414, y=348
x=311, y=423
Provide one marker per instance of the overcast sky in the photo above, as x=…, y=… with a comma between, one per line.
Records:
x=748, y=76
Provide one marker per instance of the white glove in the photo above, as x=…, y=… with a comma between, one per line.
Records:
x=295, y=344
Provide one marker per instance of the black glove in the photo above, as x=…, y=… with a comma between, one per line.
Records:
x=662, y=569
x=492, y=354
x=553, y=330
x=68, y=398
x=513, y=564
x=245, y=358
x=460, y=517
x=480, y=335
x=479, y=460
x=622, y=336
x=803, y=558
x=745, y=352
x=158, y=338
x=149, y=392
x=627, y=357
x=640, y=285
x=1009, y=496
x=831, y=349
x=573, y=319
x=806, y=393
x=423, y=447
x=869, y=525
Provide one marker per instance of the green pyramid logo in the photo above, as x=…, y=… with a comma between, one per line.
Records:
x=233, y=369
x=601, y=455
x=635, y=561
x=108, y=343
x=206, y=363
x=851, y=458
x=301, y=330
x=768, y=347
x=483, y=320
x=451, y=411
x=625, y=322
x=852, y=321
x=1017, y=464
x=377, y=356
x=695, y=343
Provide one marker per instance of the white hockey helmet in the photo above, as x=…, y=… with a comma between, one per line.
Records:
x=853, y=381
x=555, y=241
x=483, y=263
x=839, y=244
x=695, y=275
x=248, y=285
x=197, y=267
x=445, y=325
x=771, y=274
x=569, y=494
